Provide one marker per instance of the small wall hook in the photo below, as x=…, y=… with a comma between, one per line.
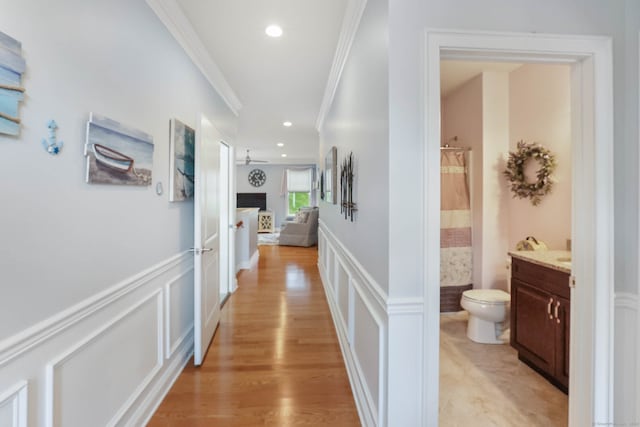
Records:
x=50, y=144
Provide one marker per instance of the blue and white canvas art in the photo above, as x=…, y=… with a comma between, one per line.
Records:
x=117, y=154
x=12, y=66
x=182, y=161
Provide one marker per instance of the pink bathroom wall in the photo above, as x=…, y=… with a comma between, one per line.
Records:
x=489, y=114
x=540, y=101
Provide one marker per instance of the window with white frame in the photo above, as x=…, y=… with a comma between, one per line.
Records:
x=298, y=189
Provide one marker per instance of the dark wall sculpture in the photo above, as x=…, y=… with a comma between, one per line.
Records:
x=347, y=205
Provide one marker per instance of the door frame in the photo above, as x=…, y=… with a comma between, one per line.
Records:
x=225, y=220
x=591, y=370
x=233, y=279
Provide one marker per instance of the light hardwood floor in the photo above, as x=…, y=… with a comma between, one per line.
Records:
x=275, y=359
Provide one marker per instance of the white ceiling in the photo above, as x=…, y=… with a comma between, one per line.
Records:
x=275, y=79
x=278, y=79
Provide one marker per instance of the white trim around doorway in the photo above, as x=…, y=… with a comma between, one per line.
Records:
x=591, y=374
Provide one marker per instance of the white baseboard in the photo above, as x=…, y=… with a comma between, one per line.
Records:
x=140, y=330
x=163, y=384
x=248, y=265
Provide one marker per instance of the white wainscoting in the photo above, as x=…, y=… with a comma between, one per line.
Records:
x=106, y=361
x=13, y=406
x=626, y=359
x=362, y=314
x=387, y=387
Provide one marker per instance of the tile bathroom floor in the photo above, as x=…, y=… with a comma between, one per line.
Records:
x=486, y=385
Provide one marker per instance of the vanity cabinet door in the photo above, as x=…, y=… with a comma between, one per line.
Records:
x=562, y=340
x=533, y=326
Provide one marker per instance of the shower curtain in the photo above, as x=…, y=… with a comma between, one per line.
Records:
x=455, y=229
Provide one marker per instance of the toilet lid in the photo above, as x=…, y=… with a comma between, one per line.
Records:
x=487, y=295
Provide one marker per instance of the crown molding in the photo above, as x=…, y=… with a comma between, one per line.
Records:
x=172, y=16
x=350, y=25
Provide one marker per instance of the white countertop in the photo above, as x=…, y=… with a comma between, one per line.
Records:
x=557, y=260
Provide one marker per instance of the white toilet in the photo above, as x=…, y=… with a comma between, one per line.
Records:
x=487, y=312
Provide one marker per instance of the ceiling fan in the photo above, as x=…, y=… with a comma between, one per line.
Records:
x=248, y=160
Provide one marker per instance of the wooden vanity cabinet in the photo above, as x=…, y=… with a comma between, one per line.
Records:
x=540, y=308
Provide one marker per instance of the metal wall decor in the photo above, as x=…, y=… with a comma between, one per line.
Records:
x=51, y=144
x=347, y=206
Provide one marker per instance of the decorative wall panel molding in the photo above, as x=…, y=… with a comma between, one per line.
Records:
x=179, y=321
x=80, y=384
x=13, y=406
x=104, y=359
x=357, y=306
x=142, y=413
x=363, y=314
x=16, y=345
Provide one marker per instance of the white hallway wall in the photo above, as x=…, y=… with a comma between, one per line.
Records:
x=353, y=256
x=379, y=307
x=95, y=274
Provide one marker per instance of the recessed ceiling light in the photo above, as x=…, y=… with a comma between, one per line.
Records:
x=287, y=124
x=273, y=31
x=283, y=155
x=280, y=144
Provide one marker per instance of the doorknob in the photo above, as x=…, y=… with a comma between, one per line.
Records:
x=198, y=251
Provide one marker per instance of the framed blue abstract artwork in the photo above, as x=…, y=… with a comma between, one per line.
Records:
x=181, y=163
x=12, y=66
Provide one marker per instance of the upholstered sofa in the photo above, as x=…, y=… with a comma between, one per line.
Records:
x=303, y=231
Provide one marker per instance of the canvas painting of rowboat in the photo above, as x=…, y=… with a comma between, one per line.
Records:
x=117, y=154
x=182, y=157
x=12, y=66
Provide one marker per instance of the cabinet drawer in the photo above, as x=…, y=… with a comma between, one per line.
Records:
x=550, y=280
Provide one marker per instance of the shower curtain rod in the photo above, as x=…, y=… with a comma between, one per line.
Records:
x=446, y=147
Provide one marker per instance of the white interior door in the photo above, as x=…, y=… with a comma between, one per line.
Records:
x=207, y=237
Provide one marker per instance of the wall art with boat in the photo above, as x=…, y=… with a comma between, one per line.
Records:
x=116, y=153
x=182, y=161
x=12, y=66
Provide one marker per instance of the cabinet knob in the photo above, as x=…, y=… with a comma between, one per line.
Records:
x=549, y=308
x=556, y=311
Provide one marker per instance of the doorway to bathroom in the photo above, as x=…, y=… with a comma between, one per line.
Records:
x=486, y=109
x=590, y=381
